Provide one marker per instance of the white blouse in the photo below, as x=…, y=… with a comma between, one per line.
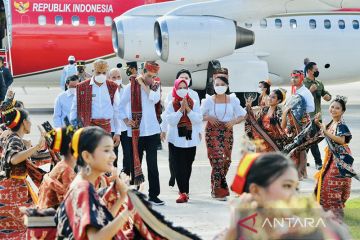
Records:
x=169, y=98
x=224, y=112
x=173, y=118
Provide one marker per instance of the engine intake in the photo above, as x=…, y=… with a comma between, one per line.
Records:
x=197, y=39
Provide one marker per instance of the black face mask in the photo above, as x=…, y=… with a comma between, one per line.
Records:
x=80, y=69
x=71, y=62
x=316, y=74
x=128, y=72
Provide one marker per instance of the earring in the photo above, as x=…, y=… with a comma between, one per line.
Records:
x=87, y=170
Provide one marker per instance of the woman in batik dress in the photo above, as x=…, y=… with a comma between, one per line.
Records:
x=334, y=179
x=221, y=111
x=15, y=190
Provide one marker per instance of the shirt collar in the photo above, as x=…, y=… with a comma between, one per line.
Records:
x=92, y=82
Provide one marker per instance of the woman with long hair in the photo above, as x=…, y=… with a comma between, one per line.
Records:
x=221, y=111
x=15, y=190
x=334, y=179
x=57, y=182
x=264, y=91
x=83, y=214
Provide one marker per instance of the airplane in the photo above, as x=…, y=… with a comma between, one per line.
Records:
x=38, y=36
x=255, y=39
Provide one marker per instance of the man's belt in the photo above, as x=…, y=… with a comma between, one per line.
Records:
x=103, y=123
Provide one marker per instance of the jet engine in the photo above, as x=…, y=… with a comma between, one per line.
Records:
x=191, y=40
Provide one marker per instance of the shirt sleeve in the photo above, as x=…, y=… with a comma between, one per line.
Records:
x=57, y=113
x=116, y=116
x=62, y=78
x=15, y=146
x=195, y=115
x=124, y=101
x=310, y=103
x=73, y=111
x=172, y=117
x=343, y=130
x=239, y=111
x=205, y=107
x=324, y=92
x=154, y=96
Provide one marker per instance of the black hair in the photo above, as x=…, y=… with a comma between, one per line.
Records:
x=90, y=138
x=225, y=80
x=310, y=66
x=279, y=95
x=266, y=169
x=19, y=104
x=267, y=86
x=9, y=118
x=2, y=59
x=187, y=72
x=72, y=78
x=341, y=102
x=65, y=141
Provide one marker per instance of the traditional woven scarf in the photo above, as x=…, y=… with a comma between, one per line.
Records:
x=184, y=120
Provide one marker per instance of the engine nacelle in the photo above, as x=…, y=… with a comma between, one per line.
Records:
x=197, y=39
x=133, y=38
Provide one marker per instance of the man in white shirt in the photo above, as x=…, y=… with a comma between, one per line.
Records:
x=138, y=112
x=68, y=71
x=97, y=102
x=115, y=76
x=64, y=101
x=297, y=78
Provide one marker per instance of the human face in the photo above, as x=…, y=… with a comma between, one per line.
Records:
x=149, y=77
x=102, y=159
x=72, y=84
x=27, y=125
x=115, y=75
x=97, y=73
x=336, y=110
x=295, y=81
x=185, y=76
x=273, y=99
x=283, y=188
x=182, y=85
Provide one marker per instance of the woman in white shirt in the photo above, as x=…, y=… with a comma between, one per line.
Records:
x=185, y=75
x=221, y=111
x=184, y=118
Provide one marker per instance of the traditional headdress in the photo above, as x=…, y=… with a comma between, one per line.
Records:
x=8, y=107
x=80, y=63
x=297, y=74
x=152, y=66
x=341, y=98
x=101, y=65
x=75, y=142
x=243, y=169
x=283, y=92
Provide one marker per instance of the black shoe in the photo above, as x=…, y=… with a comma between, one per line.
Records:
x=318, y=166
x=156, y=201
x=308, y=164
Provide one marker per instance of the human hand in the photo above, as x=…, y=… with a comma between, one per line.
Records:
x=129, y=122
x=116, y=139
x=230, y=124
x=313, y=88
x=249, y=101
x=27, y=143
x=162, y=136
x=327, y=97
x=213, y=121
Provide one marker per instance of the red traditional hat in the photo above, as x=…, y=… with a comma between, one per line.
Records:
x=152, y=66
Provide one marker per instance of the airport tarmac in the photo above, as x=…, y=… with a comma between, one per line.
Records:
x=203, y=215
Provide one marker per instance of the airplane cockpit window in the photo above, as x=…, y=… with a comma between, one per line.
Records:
x=278, y=23
x=263, y=23
x=59, y=20
x=355, y=24
x=312, y=23
x=107, y=21
x=293, y=23
x=91, y=21
x=341, y=24
x=248, y=25
x=327, y=24
x=75, y=20
x=42, y=20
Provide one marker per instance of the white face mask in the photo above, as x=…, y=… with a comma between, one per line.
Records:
x=182, y=92
x=72, y=91
x=118, y=82
x=100, y=78
x=220, y=89
x=188, y=81
x=260, y=90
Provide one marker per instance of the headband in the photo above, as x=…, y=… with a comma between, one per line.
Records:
x=152, y=67
x=57, y=140
x=299, y=75
x=15, y=122
x=75, y=142
x=245, y=164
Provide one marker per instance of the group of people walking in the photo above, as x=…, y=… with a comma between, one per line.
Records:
x=84, y=186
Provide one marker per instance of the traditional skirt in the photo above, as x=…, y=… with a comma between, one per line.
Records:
x=13, y=194
x=219, y=142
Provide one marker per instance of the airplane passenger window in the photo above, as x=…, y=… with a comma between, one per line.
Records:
x=248, y=25
x=278, y=23
x=341, y=24
x=59, y=20
x=312, y=23
x=75, y=20
x=263, y=23
x=42, y=20
x=355, y=24
x=327, y=24
x=107, y=21
x=91, y=21
x=293, y=23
